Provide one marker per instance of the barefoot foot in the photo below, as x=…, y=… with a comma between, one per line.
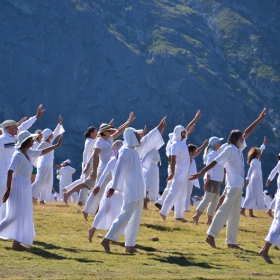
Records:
x=163, y=217
x=85, y=214
x=211, y=241
x=130, y=250
x=181, y=219
x=65, y=198
x=91, y=232
x=195, y=219
x=265, y=257
x=106, y=245
x=234, y=246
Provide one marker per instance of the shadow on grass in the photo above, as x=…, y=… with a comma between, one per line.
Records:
x=163, y=228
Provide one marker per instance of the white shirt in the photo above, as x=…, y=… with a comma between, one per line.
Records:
x=106, y=150
x=217, y=172
x=128, y=177
x=88, y=150
x=180, y=150
x=274, y=171
x=65, y=175
x=110, y=167
x=232, y=159
x=7, y=145
x=47, y=159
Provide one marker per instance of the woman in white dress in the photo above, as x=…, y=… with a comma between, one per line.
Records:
x=102, y=154
x=271, y=176
x=254, y=181
x=109, y=208
x=18, y=223
x=42, y=187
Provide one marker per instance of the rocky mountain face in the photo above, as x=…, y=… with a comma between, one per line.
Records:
x=94, y=60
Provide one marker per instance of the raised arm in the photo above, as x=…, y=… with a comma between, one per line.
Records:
x=198, y=150
x=251, y=127
x=51, y=148
x=205, y=169
x=121, y=129
x=190, y=126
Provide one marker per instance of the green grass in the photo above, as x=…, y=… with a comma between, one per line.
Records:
x=61, y=250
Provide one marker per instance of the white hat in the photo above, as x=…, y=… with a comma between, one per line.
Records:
x=215, y=140
x=265, y=192
x=67, y=161
x=23, y=136
x=177, y=132
x=105, y=127
x=8, y=123
x=46, y=133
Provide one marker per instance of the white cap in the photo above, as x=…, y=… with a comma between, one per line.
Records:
x=67, y=161
x=214, y=140
x=23, y=136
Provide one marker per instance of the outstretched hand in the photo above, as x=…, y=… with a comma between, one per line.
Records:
x=205, y=142
x=110, y=192
x=162, y=123
x=197, y=115
x=131, y=117
x=195, y=176
x=60, y=119
x=59, y=142
x=40, y=111
x=265, y=140
x=263, y=114
x=170, y=177
x=111, y=123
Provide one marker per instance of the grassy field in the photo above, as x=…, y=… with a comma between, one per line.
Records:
x=61, y=250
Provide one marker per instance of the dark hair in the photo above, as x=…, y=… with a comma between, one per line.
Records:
x=278, y=157
x=26, y=143
x=192, y=148
x=234, y=136
x=89, y=131
x=252, y=154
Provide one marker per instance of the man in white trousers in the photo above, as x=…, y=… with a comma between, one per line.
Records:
x=129, y=180
x=232, y=159
x=179, y=168
x=7, y=145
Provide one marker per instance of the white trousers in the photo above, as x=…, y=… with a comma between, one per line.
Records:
x=42, y=187
x=3, y=188
x=129, y=221
x=166, y=190
x=176, y=195
x=228, y=212
x=189, y=193
x=92, y=202
x=273, y=236
x=210, y=199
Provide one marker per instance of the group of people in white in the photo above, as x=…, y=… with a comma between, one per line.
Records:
x=120, y=177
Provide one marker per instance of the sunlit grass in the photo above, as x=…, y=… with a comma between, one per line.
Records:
x=61, y=250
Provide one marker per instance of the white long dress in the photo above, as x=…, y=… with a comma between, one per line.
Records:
x=42, y=187
x=275, y=170
x=109, y=208
x=151, y=173
x=18, y=223
x=254, y=192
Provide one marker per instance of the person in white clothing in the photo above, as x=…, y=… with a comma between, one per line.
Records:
x=212, y=181
x=7, y=146
x=232, y=159
x=151, y=174
x=179, y=168
x=42, y=187
x=194, y=151
x=101, y=156
x=273, y=236
x=110, y=207
x=18, y=223
x=275, y=170
x=64, y=175
x=80, y=185
x=254, y=181
x=129, y=180
x=37, y=141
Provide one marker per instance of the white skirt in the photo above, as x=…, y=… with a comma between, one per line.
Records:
x=254, y=195
x=151, y=179
x=18, y=223
x=273, y=236
x=109, y=209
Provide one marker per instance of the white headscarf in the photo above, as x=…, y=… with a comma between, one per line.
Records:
x=46, y=133
x=130, y=138
x=177, y=132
